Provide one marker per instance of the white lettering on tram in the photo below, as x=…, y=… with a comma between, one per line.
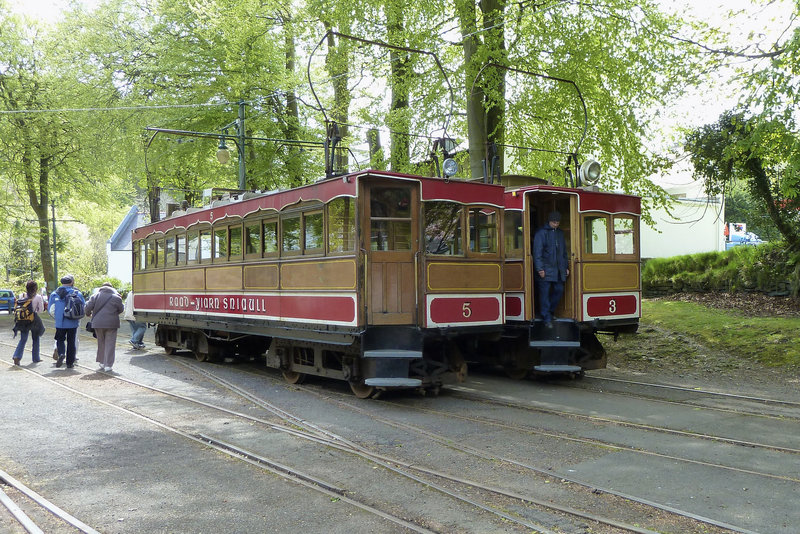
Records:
x=237, y=303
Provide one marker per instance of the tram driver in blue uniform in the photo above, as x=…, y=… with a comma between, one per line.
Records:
x=551, y=266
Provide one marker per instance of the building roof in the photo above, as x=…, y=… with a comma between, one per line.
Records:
x=121, y=239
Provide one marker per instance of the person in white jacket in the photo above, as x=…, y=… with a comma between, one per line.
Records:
x=137, y=329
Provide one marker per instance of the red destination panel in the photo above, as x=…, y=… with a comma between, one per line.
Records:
x=611, y=305
x=464, y=310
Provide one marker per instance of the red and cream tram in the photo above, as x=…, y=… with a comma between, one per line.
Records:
x=602, y=293
x=366, y=277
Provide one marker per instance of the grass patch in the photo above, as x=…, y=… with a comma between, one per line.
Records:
x=771, y=341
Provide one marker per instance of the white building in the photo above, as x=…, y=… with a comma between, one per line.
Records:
x=118, y=247
x=692, y=223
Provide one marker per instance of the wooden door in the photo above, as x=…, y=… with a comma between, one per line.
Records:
x=392, y=220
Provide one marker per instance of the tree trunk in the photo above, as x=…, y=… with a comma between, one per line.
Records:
x=476, y=115
x=400, y=155
x=493, y=12
x=762, y=187
x=294, y=165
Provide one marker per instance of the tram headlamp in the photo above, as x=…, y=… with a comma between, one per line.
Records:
x=589, y=172
x=223, y=154
x=449, y=167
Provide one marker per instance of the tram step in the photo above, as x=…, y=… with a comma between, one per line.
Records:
x=558, y=368
x=559, y=333
x=393, y=382
x=392, y=353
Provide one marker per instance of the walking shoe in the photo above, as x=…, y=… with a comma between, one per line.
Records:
x=37, y=361
x=107, y=369
x=70, y=365
x=60, y=360
x=133, y=344
x=140, y=346
x=100, y=368
x=16, y=361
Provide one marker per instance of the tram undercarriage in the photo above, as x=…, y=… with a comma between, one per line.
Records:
x=526, y=349
x=379, y=359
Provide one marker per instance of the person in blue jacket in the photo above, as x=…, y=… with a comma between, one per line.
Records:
x=66, y=329
x=551, y=265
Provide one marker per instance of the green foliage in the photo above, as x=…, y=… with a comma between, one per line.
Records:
x=758, y=268
x=760, y=151
x=768, y=340
x=741, y=206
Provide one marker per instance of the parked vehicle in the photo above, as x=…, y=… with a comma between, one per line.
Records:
x=7, y=300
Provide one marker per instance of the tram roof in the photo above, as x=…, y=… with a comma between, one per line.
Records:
x=588, y=199
x=323, y=191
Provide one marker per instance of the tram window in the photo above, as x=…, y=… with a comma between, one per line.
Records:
x=595, y=234
x=142, y=256
x=290, y=233
x=205, y=245
x=270, y=238
x=221, y=243
x=192, y=246
x=252, y=239
x=235, y=237
x=390, y=218
x=341, y=225
x=513, y=234
x=623, y=235
x=443, y=228
x=180, y=249
x=483, y=230
x=313, y=237
x=160, y=253
x=151, y=254
x=169, y=251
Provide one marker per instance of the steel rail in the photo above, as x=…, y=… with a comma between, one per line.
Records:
x=761, y=400
x=289, y=474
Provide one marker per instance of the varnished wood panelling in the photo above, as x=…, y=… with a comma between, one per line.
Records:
x=327, y=274
x=224, y=278
x=148, y=282
x=513, y=276
x=610, y=276
x=392, y=293
x=446, y=276
x=184, y=279
x=261, y=276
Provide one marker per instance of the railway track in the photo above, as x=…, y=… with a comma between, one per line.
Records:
x=689, y=396
x=306, y=430
x=34, y=513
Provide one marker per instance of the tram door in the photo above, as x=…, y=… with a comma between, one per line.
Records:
x=539, y=207
x=392, y=221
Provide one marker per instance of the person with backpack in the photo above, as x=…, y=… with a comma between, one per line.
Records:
x=104, y=308
x=27, y=321
x=67, y=306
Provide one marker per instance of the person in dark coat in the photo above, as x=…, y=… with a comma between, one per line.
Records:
x=104, y=307
x=551, y=265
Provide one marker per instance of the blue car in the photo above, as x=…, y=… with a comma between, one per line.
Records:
x=7, y=300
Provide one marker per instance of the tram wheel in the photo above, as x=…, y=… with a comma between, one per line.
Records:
x=201, y=356
x=361, y=390
x=169, y=351
x=293, y=377
x=516, y=373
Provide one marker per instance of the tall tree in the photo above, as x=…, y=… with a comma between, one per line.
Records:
x=756, y=151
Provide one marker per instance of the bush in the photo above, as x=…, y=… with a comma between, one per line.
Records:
x=766, y=268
